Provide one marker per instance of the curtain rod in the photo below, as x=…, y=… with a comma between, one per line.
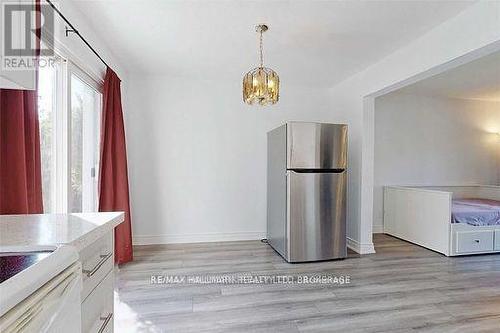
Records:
x=73, y=30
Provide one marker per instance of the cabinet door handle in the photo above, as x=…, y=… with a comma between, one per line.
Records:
x=101, y=262
x=105, y=321
x=476, y=240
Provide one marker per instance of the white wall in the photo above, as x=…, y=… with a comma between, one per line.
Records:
x=182, y=132
x=422, y=140
x=472, y=33
x=198, y=156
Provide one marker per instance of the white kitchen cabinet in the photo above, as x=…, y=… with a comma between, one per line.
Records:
x=98, y=284
x=92, y=237
x=97, y=308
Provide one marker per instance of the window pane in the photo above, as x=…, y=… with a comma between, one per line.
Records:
x=46, y=113
x=85, y=116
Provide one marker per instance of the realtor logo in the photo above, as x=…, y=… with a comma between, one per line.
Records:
x=20, y=31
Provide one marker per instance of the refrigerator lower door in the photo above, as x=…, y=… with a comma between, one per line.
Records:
x=316, y=221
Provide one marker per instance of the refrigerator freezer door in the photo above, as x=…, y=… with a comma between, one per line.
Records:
x=316, y=223
x=316, y=146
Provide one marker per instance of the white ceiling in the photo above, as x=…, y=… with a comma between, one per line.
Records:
x=310, y=42
x=479, y=80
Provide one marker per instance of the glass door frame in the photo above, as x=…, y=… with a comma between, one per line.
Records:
x=61, y=186
x=74, y=70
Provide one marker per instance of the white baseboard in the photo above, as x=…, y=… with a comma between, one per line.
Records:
x=197, y=238
x=366, y=248
x=228, y=236
x=378, y=229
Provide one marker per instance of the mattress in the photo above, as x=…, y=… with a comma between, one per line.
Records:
x=478, y=212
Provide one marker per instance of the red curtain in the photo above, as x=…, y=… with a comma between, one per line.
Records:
x=20, y=168
x=113, y=181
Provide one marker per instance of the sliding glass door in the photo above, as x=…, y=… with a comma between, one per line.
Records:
x=69, y=109
x=85, y=129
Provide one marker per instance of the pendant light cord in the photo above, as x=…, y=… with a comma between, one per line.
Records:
x=261, y=52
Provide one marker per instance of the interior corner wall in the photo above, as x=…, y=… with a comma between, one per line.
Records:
x=198, y=156
x=476, y=30
x=423, y=140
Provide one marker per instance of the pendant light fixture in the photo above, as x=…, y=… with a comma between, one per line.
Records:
x=261, y=85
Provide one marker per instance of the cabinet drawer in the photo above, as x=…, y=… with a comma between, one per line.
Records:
x=97, y=261
x=474, y=241
x=97, y=309
x=497, y=240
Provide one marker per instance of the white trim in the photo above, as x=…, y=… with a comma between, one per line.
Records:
x=85, y=77
x=366, y=248
x=61, y=137
x=67, y=129
x=466, y=58
x=378, y=229
x=63, y=51
x=197, y=238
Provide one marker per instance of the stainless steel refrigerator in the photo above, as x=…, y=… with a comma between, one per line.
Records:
x=306, y=191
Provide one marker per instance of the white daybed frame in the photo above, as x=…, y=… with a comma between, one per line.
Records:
x=422, y=215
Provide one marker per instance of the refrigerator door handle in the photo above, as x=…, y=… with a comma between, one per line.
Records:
x=335, y=170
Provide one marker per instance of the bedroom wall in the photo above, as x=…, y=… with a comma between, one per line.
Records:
x=423, y=140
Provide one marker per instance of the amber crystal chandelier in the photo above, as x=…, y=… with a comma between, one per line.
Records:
x=261, y=85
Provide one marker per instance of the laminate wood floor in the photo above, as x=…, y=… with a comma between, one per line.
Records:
x=401, y=288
